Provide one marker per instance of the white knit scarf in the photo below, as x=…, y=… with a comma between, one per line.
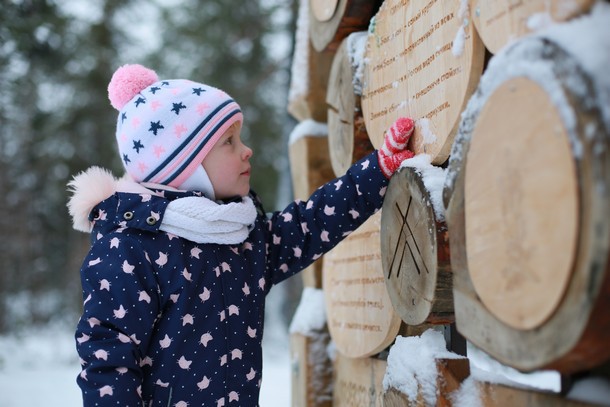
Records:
x=198, y=219
x=201, y=220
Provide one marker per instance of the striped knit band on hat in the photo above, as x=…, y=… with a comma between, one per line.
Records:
x=166, y=128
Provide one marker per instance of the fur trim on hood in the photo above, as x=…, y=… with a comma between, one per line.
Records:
x=91, y=187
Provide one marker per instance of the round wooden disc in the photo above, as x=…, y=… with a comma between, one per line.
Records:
x=341, y=102
x=323, y=10
x=413, y=71
x=521, y=205
x=501, y=21
x=361, y=319
x=417, y=270
x=575, y=337
x=331, y=21
x=348, y=140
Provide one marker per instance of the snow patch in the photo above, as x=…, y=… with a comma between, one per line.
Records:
x=356, y=49
x=308, y=127
x=433, y=178
x=412, y=366
x=310, y=315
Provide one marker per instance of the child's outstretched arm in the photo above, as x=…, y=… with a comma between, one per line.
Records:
x=304, y=231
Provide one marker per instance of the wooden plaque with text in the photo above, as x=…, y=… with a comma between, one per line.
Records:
x=500, y=21
x=361, y=319
x=358, y=382
x=424, y=61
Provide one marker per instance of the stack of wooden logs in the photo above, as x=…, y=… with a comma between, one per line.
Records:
x=516, y=257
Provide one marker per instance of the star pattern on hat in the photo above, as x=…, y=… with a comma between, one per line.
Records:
x=158, y=150
x=179, y=130
x=177, y=107
x=201, y=108
x=137, y=145
x=164, y=114
x=197, y=91
x=155, y=127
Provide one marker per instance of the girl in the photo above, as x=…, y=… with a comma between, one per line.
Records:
x=182, y=252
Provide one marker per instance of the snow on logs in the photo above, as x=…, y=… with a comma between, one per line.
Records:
x=388, y=60
x=527, y=195
x=517, y=251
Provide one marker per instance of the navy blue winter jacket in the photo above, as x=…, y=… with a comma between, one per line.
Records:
x=168, y=322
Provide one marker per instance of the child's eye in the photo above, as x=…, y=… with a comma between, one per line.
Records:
x=229, y=140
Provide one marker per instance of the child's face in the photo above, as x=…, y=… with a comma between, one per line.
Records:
x=228, y=165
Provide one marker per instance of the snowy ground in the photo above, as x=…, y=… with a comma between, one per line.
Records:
x=39, y=368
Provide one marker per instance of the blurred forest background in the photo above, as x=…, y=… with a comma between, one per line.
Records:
x=56, y=59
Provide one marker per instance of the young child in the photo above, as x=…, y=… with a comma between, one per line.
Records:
x=182, y=252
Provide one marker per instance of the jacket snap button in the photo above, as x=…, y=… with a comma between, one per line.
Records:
x=128, y=215
x=151, y=221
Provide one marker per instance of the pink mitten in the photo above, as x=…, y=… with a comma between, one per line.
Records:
x=394, y=149
x=389, y=164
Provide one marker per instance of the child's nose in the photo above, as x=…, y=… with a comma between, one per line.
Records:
x=246, y=152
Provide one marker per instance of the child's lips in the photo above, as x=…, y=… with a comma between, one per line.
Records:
x=247, y=172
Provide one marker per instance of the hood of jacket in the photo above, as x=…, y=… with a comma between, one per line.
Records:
x=91, y=187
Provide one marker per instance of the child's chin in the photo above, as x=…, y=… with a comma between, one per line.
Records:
x=245, y=191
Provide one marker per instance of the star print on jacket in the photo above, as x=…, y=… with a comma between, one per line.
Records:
x=169, y=322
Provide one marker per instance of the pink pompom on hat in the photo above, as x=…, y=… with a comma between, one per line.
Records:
x=166, y=128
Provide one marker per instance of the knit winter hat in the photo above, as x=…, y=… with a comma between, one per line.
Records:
x=166, y=128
